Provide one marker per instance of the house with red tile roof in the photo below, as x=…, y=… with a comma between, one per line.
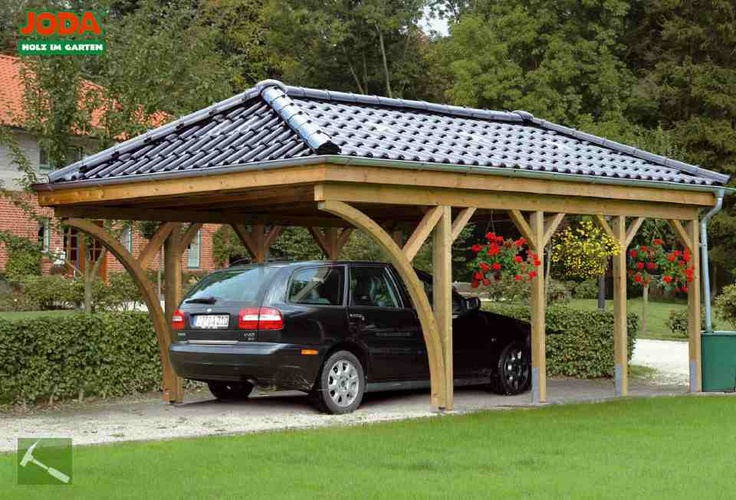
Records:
x=198, y=256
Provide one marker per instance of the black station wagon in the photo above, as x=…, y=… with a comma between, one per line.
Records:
x=333, y=330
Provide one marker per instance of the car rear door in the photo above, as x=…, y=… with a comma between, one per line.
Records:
x=383, y=323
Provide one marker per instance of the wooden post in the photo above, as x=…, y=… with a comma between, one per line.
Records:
x=538, y=304
x=442, y=295
x=257, y=241
x=331, y=240
x=620, y=334
x=173, y=294
x=693, y=306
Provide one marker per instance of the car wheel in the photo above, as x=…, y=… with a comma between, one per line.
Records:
x=512, y=373
x=230, y=391
x=341, y=384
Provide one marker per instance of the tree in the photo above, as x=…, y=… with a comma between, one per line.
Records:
x=561, y=60
x=682, y=54
x=366, y=46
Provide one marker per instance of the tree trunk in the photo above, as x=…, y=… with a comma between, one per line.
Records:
x=89, y=279
x=644, y=307
x=385, y=62
x=602, y=292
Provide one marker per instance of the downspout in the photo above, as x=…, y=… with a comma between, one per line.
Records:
x=704, y=259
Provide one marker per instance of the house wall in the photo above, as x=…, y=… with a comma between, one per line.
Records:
x=14, y=220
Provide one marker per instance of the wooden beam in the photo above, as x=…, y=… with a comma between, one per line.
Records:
x=414, y=287
x=173, y=291
x=632, y=230
x=693, y=310
x=272, y=235
x=154, y=244
x=137, y=189
x=257, y=241
x=204, y=216
x=188, y=236
x=461, y=221
x=523, y=226
x=343, y=239
x=138, y=273
x=245, y=238
x=620, y=325
x=603, y=224
x=681, y=233
x=442, y=294
x=413, y=195
x=550, y=226
x=538, y=303
x=422, y=232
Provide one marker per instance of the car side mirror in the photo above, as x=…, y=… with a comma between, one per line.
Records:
x=472, y=304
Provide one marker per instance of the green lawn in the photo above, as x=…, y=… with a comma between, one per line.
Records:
x=643, y=448
x=658, y=314
x=33, y=314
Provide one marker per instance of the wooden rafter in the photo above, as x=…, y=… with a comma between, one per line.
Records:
x=551, y=224
x=422, y=232
x=632, y=230
x=188, y=236
x=522, y=225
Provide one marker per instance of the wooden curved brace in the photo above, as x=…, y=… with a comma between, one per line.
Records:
x=414, y=287
x=138, y=274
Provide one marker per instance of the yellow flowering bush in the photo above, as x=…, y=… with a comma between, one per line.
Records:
x=582, y=250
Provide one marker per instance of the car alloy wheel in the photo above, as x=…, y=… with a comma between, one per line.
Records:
x=515, y=369
x=341, y=384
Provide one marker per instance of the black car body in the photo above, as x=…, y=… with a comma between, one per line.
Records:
x=276, y=324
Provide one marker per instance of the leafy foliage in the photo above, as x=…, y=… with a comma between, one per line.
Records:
x=105, y=354
x=582, y=250
x=588, y=289
x=579, y=343
x=24, y=256
x=670, y=270
x=726, y=304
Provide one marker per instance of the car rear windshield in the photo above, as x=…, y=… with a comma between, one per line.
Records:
x=237, y=285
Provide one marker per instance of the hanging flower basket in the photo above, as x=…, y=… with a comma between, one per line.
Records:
x=652, y=264
x=582, y=250
x=497, y=258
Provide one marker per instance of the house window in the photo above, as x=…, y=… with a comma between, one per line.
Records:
x=126, y=238
x=44, y=234
x=193, y=251
x=74, y=154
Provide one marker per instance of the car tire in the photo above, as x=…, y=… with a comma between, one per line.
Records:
x=341, y=384
x=230, y=391
x=512, y=373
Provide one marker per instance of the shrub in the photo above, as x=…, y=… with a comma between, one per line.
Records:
x=726, y=304
x=558, y=292
x=49, y=292
x=104, y=354
x=588, y=289
x=579, y=343
x=119, y=294
x=677, y=322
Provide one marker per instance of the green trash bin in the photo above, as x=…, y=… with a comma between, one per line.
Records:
x=719, y=361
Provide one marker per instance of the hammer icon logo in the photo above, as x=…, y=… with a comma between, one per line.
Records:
x=28, y=458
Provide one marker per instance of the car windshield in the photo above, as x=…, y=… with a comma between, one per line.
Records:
x=237, y=285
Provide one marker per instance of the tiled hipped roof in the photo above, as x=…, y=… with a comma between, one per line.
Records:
x=276, y=122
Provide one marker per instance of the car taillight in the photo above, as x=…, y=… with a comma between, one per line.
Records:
x=269, y=318
x=248, y=318
x=263, y=318
x=177, y=320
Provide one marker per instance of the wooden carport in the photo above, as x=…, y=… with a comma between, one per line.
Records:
x=279, y=156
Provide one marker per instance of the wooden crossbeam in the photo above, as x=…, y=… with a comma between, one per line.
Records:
x=330, y=240
x=188, y=236
x=523, y=226
x=154, y=244
x=603, y=224
x=681, y=233
x=422, y=232
x=632, y=230
x=461, y=221
x=550, y=226
x=257, y=241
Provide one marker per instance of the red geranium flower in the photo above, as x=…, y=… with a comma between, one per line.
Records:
x=518, y=258
x=484, y=267
x=496, y=266
x=476, y=248
x=493, y=249
x=632, y=254
x=651, y=266
x=517, y=277
x=490, y=236
x=638, y=278
x=532, y=274
x=640, y=265
x=474, y=284
x=658, y=241
x=667, y=279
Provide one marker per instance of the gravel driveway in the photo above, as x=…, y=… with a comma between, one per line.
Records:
x=148, y=418
x=670, y=358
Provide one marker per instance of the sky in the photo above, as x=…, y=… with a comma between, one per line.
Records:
x=429, y=24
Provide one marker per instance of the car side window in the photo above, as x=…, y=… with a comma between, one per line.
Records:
x=372, y=286
x=457, y=305
x=317, y=285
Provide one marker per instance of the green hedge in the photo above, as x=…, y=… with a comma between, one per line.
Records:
x=104, y=354
x=583, y=344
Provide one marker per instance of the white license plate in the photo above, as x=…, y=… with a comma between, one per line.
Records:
x=211, y=321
